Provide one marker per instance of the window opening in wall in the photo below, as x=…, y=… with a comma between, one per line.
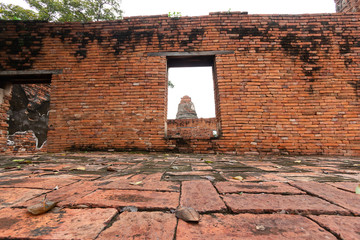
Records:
x=196, y=83
x=191, y=106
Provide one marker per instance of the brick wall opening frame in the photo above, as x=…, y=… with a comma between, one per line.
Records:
x=196, y=128
x=23, y=141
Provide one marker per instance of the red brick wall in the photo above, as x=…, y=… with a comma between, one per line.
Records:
x=347, y=5
x=201, y=128
x=291, y=86
x=4, y=107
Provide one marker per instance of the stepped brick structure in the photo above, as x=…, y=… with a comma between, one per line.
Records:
x=186, y=109
x=347, y=6
x=283, y=84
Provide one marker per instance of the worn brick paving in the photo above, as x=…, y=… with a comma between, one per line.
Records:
x=133, y=196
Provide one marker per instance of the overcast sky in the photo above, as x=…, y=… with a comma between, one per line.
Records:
x=200, y=79
x=203, y=7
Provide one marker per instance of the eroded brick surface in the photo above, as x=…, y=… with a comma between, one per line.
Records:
x=346, y=227
x=39, y=182
x=349, y=186
x=139, y=199
x=141, y=225
x=64, y=224
x=250, y=226
x=258, y=187
x=66, y=196
x=259, y=203
x=139, y=182
x=201, y=195
x=14, y=196
x=345, y=199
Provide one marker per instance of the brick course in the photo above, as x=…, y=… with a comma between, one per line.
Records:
x=290, y=86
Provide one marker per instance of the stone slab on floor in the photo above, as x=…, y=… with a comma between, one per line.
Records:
x=141, y=225
x=269, y=203
x=201, y=195
x=345, y=199
x=150, y=182
x=146, y=200
x=257, y=187
x=252, y=226
x=39, y=182
x=66, y=196
x=348, y=186
x=345, y=227
x=13, y=196
x=64, y=224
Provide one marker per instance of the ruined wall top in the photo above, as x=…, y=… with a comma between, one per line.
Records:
x=347, y=6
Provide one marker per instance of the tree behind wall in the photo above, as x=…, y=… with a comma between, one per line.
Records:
x=63, y=10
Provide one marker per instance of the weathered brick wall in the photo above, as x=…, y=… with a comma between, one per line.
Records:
x=347, y=6
x=291, y=84
x=23, y=142
x=4, y=107
x=27, y=117
x=201, y=128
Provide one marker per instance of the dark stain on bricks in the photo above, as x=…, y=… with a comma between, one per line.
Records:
x=104, y=183
x=12, y=182
x=160, y=37
x=23, y=47
x=7, y=222
x=129, y=198
x=41, y=231
x=132, y=37
x=242, y=32
x=194, y=35
x=256, y=186
x=348, y=62
x=356, y=86
x=345, y=48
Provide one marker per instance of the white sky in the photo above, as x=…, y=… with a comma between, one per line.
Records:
x=197, y=83
x=203, y=7
x=201, y=90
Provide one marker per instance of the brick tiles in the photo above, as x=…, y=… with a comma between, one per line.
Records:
x=138, y=201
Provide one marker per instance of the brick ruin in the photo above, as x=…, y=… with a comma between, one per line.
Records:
x=347, y=5
x=283, y=84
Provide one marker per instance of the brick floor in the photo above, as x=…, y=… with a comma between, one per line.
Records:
x=141, y=225
x=332, y=194
x=140, y=199
x=201, y=195
x=64, y=224
x=279, y=197
x=251, y=226
x=267, y=203
x=257, y=187
x=12, y=196
x=345, y=227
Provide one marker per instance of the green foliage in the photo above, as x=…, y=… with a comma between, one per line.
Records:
x=170, y=84
x=14, y=12
x=174, y=14
x=64, y=10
